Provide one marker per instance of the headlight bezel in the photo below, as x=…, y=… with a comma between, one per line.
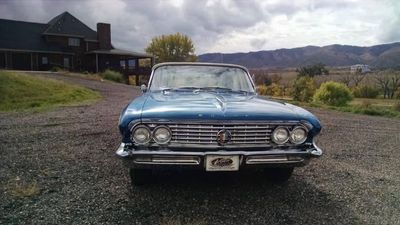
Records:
x=155, y=138
x=303, y=139
x=280, y=142
x=134, y=139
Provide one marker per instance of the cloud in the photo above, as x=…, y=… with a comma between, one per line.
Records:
x=227, y=25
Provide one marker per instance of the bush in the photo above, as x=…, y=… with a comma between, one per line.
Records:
x=276, y=89
x=365, y=92
x=56, y=69
x=262, y=89
x=333, y=93
x=303, y=89
x=271, y=90
x=113, y=76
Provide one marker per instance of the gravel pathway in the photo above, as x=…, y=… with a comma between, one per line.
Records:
x=68, y=153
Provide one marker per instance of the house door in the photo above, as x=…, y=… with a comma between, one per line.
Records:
x=66, y=62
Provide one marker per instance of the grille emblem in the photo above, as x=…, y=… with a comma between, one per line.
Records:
x=223, y=137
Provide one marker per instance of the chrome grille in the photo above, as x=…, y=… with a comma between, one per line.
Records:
x=207, y=133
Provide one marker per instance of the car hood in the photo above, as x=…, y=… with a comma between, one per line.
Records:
x=214, y=106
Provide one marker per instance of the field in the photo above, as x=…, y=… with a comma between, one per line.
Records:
x=282, y=85
x=59, y=167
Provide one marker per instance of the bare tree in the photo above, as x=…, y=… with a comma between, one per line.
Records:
x=394, y=84
x=388, y=81
x=346, y=79
x=358, y=77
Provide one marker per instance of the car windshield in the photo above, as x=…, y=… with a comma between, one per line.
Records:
x=217, y=78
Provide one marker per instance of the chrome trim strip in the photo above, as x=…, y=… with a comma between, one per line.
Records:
x=223, y=122
x=187, y=153
x=177, y=160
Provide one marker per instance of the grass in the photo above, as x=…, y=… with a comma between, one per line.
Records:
x=22, y=92
x=373, y=107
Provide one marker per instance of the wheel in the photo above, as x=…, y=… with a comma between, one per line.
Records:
x=140, y=176
x=279, y=175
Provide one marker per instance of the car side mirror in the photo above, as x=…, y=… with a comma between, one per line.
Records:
x=143, y=88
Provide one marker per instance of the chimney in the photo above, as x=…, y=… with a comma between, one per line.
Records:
x=104, y=35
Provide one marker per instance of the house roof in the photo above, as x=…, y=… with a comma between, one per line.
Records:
x=67, y=24
x=20, y=35
x=29, y=36
x=120, y=52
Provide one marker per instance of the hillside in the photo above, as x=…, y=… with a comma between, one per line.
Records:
x=23, y=92
x=380, y=56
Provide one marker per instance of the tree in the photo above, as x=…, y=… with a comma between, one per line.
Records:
x=388, y=81
x=313, y=70
x=172, y=48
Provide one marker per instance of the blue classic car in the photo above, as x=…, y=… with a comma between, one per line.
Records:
x=208, y=116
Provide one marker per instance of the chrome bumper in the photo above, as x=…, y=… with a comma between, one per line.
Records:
x=292, y=157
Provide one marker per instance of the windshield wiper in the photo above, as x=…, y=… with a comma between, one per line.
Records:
x=224, y=89
x=180, y=88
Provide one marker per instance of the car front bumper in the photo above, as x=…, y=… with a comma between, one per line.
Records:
x=267, y=158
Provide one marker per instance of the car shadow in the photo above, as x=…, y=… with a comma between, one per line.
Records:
x=197, y=197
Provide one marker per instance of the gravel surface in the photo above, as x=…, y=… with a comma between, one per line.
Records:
x=68, y=153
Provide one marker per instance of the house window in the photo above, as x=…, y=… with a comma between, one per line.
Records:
x=122, y=64
x=131, y=64
x=66, y=62
x=73, y=42
x=45, y=61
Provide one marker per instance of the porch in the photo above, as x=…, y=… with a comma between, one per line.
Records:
x=126, y=62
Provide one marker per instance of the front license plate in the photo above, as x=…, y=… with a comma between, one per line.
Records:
x=222, y=163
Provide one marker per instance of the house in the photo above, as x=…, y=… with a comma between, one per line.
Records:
x=360, y=68
x=68, y=43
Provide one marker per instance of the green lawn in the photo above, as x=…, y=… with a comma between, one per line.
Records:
x=22, y=92
x=374, y=107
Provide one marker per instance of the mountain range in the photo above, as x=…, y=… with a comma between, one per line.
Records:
x=378, y=56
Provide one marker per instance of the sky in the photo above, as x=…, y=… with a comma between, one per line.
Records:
x=227, y=25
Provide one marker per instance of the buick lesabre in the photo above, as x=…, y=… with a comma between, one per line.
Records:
x=209, y=116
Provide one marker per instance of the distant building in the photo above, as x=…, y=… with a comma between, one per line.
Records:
x=360, y=68
x=64, y=42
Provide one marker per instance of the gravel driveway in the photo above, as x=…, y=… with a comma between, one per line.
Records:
x=69, y=154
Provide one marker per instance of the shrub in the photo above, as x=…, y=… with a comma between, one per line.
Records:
x=262, y=89
x=333, y=93
x=303, y=89
x=271, y=90
x=113, y=76
x=365, y=91
x=276, y=89
x=56, y=69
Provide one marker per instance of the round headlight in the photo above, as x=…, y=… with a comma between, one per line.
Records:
x=280, y=135
x=141, y=135
x=161, y=135
x=298, y=135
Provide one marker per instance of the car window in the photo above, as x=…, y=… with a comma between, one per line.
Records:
x=176, y=76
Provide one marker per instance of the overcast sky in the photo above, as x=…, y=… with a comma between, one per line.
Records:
x=227, y=26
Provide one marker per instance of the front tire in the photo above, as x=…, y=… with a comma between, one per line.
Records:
x=140, y=176
x=279, y=175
